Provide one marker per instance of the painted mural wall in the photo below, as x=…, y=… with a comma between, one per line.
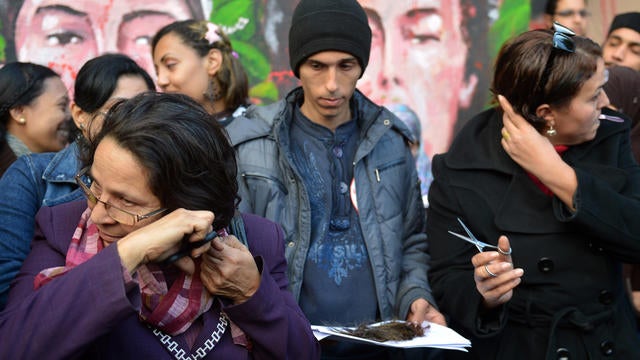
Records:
x=433, y=55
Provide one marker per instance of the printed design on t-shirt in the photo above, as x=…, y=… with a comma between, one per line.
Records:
x=337, y=249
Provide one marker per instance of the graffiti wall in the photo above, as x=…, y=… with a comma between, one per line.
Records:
x=434, y=56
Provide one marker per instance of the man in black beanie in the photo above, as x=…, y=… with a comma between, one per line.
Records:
x=622, y=45
x=336, y=172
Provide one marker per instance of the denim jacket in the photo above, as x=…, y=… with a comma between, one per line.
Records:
x=30, y=182
x=387, y=189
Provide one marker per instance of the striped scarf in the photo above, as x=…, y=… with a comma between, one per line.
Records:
x=171, y=310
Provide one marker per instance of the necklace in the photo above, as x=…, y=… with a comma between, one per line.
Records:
x=180, y=354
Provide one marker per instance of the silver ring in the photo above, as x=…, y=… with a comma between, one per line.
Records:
x=489, y=272
x=506, y=253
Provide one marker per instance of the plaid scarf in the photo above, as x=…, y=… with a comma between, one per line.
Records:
x=171, y=310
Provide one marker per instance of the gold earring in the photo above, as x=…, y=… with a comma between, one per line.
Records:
x=551, y=132
x=22, y=120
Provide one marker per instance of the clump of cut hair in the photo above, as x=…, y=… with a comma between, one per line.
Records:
x=390, y=331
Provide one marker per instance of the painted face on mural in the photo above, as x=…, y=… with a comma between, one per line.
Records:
x=418, y=57
x=64, y=34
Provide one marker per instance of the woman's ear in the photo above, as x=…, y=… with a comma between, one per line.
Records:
x=17, y=114
x=79, y=116
x=545, y=112
x=214, y=61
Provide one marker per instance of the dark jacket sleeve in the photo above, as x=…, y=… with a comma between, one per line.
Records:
x=271, y=318
x=451, y=272
x=607, y=203
x=68, y=313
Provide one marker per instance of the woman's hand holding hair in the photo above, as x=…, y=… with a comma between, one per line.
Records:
x=159, y=239
x=495, y=276
x=228, y=269
x=523, y=143
x=536, y=154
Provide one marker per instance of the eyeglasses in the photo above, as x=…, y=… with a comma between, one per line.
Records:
x=571, y=13
x=122, y=216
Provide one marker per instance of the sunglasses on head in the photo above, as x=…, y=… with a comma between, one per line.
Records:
x=562, y=41
x=562, y=38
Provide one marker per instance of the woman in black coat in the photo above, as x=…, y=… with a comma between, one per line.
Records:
x=552, y=182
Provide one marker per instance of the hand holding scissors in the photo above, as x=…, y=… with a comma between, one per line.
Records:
x=482, y=246
x=494, y=274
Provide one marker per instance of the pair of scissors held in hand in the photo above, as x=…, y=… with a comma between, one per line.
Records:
x=482, y=246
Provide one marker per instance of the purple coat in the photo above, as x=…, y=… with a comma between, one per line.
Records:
x=88, y=313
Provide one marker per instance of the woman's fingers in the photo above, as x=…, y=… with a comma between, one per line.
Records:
x=510, y=118
x=500, y=294
x=494, y=274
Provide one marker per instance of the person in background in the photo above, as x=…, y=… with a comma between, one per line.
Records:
x=336, y=171
x=47, y=179
x=550, y=182
x=570, y=13
x=623, y=90
x=622, y=45
x=65, y=34
x=34, y=111
x=196, y=58
x=97, y=283
x=423, y=162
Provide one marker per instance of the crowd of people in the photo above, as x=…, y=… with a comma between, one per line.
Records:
x=164, y=216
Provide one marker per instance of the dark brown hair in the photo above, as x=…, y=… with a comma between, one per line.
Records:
x=190, y=161
x=529, y=71
x=231, y=77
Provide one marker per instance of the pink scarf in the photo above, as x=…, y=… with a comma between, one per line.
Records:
x=171, y=310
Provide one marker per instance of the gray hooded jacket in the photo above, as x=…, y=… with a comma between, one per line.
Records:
x=390, y=207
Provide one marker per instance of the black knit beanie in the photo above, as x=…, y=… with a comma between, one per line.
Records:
x=629, y=20
x=322, y=25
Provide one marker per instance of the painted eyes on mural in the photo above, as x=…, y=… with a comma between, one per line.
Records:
x=144, y=40
x=423, y=27
x=64, y=38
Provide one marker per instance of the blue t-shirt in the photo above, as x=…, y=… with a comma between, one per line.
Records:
x=337, y=287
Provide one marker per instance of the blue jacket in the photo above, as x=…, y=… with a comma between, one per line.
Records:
x=391, y=212
x=30, y=182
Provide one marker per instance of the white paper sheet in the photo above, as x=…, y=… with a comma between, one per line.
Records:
x=435, y=336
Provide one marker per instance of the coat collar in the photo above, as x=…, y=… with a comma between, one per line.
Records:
x=373, y=120
x=478, y=144
x=64, y=165
x=477, y=147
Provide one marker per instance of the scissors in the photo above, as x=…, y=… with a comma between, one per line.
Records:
x=187, y=246
x=482, y=246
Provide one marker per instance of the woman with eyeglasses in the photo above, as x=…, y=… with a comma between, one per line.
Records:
x=98, y=282
x=570, y=13
x=547, y=176
x=47, y=179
